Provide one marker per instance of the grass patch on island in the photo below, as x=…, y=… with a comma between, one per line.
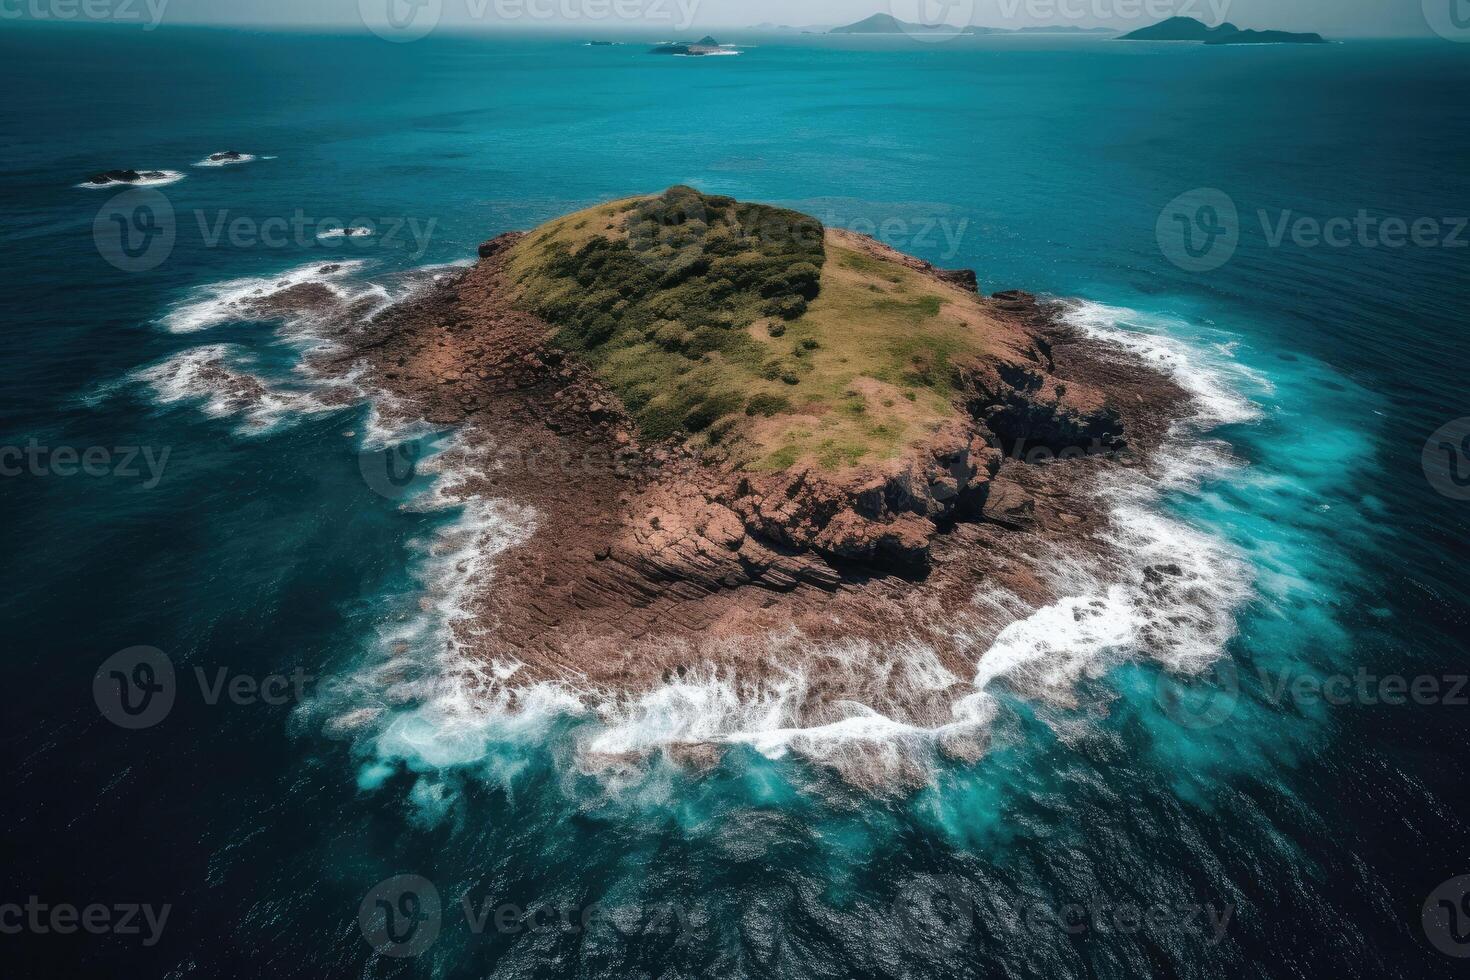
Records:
x=750, y=327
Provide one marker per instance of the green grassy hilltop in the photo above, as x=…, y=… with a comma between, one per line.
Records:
x=751, y=328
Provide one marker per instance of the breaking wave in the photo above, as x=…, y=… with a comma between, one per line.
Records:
x=249, y=299
x=211, y=378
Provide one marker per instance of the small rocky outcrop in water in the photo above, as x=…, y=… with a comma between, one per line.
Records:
x=705, y=46
x=125, y=176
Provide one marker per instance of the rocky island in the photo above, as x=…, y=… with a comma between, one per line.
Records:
x=127, y=176
x=1189, y=29
x=889, y=24
x=741, y=431
x=1267, y=37
x=697, y=49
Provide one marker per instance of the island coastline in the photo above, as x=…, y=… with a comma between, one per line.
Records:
x=644, y=566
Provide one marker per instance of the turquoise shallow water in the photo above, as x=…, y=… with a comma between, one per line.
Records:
x=1155, y=825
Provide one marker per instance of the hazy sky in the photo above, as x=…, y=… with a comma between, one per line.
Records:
x=1341, y=18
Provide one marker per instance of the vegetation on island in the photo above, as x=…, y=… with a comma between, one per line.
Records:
x=750, y=328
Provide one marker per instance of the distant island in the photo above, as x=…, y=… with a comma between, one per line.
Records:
x=770, y=28
x=888, y=24
x=697, y=49
x=1267, y=37
x=1189, y=29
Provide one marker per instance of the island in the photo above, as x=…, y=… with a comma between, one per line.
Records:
x=740, y=432
x=889, y=24
x=1267, y=37
x=128, y=176
x=1189, y=29
x=701, y=48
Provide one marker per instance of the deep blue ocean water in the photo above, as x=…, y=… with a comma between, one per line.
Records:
x=1313, y=832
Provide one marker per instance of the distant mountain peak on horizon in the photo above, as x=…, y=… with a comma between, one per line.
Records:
x=872, y=24
x=888, y=24
x=1181, y=29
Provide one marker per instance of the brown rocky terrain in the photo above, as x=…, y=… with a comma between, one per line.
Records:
x=652, y=558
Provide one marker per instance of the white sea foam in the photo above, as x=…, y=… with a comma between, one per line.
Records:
x=1169, y=591
x=228, y=162
x=714, y=706
x=210, y=377
x=1164, y=591
x=148, y=178
x=1215, y=385
x=234, y=299
x=436, y=704
x=357, y=231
